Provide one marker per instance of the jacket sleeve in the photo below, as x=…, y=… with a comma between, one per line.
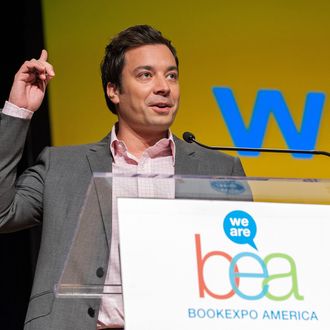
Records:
x=20, y=199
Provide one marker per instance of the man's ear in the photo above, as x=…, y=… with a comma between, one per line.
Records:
x=113, y=92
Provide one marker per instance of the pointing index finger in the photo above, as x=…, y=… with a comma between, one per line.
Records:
x=43, y=55
x=49, y=71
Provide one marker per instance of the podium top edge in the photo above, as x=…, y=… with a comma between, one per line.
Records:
x=208, y=177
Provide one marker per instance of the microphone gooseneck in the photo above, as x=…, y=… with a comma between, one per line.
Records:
x=190, y=138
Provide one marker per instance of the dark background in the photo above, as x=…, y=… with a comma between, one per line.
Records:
x=22, y=38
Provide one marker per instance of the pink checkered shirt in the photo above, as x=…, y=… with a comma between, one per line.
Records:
x=158, y=159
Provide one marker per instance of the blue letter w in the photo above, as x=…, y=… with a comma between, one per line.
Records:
x=267, y=102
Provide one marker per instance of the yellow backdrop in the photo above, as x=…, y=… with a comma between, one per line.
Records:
x=246, y=46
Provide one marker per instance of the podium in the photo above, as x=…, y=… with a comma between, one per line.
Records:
x=215, y=252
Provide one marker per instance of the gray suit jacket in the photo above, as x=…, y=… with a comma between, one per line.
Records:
x=52, y=193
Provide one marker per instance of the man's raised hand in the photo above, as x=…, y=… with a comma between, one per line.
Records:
x=29, y=86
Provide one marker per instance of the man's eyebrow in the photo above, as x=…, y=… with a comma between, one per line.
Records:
x=149, y=67
x=143, y=67
x=173, y=67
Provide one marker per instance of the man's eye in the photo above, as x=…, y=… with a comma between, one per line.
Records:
x=144, y=75
x=172, y=76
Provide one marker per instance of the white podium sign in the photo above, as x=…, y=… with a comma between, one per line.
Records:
x=193, y=264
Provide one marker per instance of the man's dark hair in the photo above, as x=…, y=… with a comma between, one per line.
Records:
x=114, y=58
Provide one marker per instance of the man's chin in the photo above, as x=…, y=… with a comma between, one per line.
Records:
x=161, y=123
x=157, y=128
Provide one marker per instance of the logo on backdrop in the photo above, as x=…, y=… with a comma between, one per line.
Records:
x=271, y=102
x=251, y=277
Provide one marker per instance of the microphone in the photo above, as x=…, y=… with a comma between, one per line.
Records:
x=190, y=138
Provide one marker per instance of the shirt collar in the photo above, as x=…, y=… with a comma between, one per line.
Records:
x=163, y=147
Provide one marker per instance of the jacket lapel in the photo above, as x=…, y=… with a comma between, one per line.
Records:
x=186, y=162
x=100, y=161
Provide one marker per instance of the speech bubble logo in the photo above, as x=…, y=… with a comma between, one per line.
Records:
x=228, y=187
x=240, y=228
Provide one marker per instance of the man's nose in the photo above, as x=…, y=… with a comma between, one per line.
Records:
x=161, y=86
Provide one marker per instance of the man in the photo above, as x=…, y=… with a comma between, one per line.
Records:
x=140, y=82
